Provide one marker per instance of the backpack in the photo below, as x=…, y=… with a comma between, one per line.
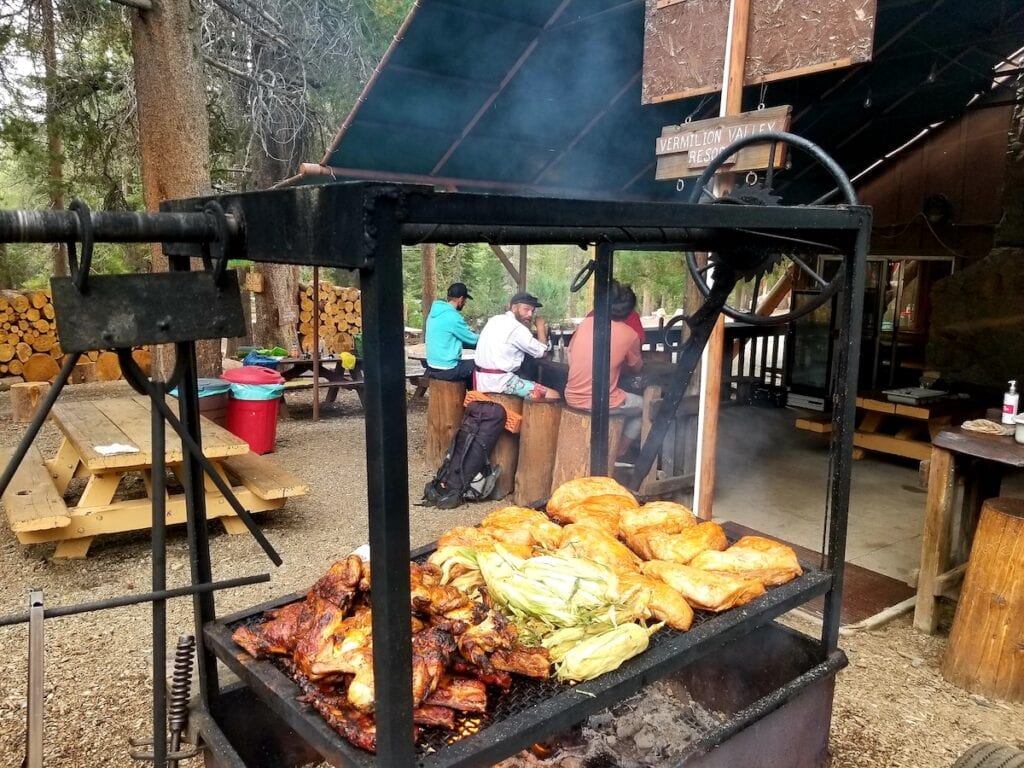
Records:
x=465, y=475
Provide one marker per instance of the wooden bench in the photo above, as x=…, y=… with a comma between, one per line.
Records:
x=32, y=500
x=263, y=477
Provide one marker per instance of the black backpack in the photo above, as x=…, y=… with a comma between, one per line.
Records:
x=464, y=474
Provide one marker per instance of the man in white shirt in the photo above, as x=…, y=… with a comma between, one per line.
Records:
x=503, y=345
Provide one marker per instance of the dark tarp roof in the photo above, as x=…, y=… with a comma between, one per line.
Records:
x=543, y=96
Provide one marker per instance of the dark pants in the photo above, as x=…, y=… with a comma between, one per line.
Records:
x=463, y=372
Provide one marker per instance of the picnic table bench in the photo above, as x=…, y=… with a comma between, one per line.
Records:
x=35, y=500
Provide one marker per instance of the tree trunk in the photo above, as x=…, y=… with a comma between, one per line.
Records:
x=174, y=132
x=54, y=142
x=429, y=262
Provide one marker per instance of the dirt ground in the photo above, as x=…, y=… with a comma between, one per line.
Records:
x=892, y=706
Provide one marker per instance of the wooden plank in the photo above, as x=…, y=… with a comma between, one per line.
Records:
x=264, y=477
x=132, y=416
x=64, y=465
x=874, y=404
x=87, y=427
x=935, y=537
x=217, y=441
x=819, y=425
x=137, y=514
x=31, y=500
x=991, y=447
x=911, y=449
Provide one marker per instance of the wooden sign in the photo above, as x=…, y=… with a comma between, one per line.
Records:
x=254, y=282
x=685, y=150
x=684, y=42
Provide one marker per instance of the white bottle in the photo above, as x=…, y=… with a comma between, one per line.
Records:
x=1010, y=402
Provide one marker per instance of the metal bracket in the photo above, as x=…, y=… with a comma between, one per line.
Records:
x=36, y=695
x=158, y=308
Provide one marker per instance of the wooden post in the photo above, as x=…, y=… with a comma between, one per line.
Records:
x=506, y=450
x=444, y=415
x=316, y=343
x=538, y=439
x=572, y=457
x=985, y=653
x=732, y=104
x=25, y=398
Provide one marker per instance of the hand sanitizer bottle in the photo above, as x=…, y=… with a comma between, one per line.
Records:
x=1011, y=400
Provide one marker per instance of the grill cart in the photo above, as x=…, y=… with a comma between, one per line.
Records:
x=775, y=685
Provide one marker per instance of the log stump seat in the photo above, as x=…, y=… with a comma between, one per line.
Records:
x=572, y=456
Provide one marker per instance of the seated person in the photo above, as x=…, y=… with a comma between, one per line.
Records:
x=447, y=334
x=625, y=356
x=504, y=343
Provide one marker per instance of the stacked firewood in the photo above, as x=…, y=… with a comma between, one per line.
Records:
x=30, y=347
x=340, y=317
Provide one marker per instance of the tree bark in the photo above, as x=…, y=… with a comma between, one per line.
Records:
x=54, y=141
x=174, y=132
x=429, y=265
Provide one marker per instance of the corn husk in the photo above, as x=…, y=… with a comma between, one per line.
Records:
x=592, y=656
x=551, y=591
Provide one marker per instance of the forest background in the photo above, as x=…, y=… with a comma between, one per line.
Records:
x=279, y=78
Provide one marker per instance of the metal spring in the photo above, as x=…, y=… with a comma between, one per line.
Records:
x=181, y=683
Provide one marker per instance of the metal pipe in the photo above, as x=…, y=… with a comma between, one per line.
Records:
x=146, y=597
x=158, y=546
x=600, y=395
x=36, y=694
x=110, y=227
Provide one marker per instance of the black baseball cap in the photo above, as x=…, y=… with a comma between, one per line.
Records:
x=526, y=298
x=458, y=291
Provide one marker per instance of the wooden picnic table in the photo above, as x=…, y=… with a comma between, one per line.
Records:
x=298, y=374
x=897, y=429
x=979, y=460
x=38, y=513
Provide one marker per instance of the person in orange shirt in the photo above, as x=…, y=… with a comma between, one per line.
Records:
x=625, y=356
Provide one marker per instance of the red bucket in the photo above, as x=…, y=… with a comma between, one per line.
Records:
x=255, y=421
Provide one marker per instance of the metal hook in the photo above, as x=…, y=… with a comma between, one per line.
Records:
x=220, y=259
x=680, y=185
x=751, y=178
x=80, y=269
x=583, y=276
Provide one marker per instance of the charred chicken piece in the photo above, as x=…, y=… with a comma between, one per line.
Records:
x=432, y=649
x=532, y=662
x=434, y=717
x=340, y=585
x=462, y=693
x=275, y=637
x=496, y=678
x=480, y=640
x=357, y=727
x=331, y=644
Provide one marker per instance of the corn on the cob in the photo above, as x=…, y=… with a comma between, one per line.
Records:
x=602, y=653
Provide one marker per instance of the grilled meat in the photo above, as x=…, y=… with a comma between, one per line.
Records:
x=664, y=603
x=575, y=491
x=340, y=585
x=581, y=540
x=532, y=662
x=666, y=516
x=275, y=637
x=480, y=640
x=753, y=557
x=461, y=693
x=704, y=589
x=523, y=526
x=682, y=547
x=434, y=717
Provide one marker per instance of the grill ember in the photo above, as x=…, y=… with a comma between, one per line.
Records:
x=460, y=647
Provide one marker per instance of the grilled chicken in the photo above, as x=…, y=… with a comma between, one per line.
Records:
x=753, y=557
x=461, y=693
x=575, y=491
x=275, y=637
x=479, y=641
x=480, y=540
x=340, y=585
x=682, y=547
x=666, y=516
x=522, y=526
x=532, y=662
x=581, y=540
x=599, y=511
x=663, y=602
x=703, y=589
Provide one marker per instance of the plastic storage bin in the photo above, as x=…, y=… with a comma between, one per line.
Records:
x=213, y=399
x=252, y=407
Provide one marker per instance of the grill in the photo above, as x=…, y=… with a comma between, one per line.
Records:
x=362, y=226
x=530, y=709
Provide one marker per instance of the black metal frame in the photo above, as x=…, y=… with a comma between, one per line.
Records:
x=362, y=226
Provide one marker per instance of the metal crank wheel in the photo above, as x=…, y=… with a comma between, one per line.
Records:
x=756, y=257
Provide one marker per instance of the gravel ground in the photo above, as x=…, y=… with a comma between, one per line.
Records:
x=892, y=706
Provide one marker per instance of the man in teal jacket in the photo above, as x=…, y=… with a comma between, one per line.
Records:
x=447, y=334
